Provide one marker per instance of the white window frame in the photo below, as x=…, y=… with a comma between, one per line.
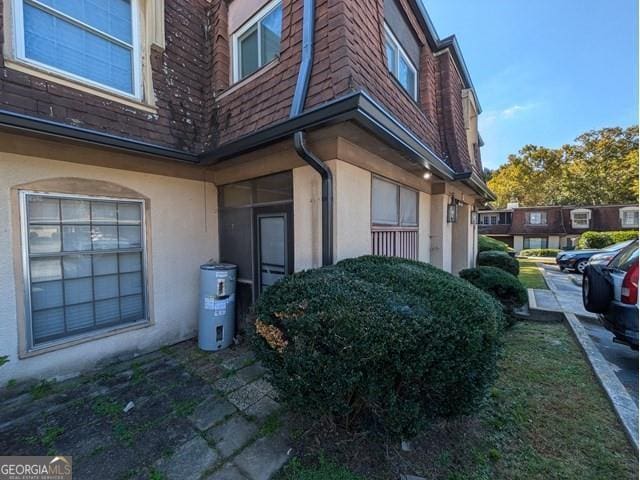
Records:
x=389, y=36
x=19, y=46
x=579, y=224
x=24, y=235
x=248, y=25
x=543, y=221
x=628, y=210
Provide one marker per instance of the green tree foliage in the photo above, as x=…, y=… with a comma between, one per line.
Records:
x=600, y=168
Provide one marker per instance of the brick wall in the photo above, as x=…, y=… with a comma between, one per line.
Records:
x=450, y=113
x=179, y=75
x=198, y=109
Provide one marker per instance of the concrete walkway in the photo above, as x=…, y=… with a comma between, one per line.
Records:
x=567, y=293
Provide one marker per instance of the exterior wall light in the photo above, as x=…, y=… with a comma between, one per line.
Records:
x=452, y=211
x=474, y=217
x=426, y=175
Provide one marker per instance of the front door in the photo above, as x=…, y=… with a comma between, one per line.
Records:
x=273, y=227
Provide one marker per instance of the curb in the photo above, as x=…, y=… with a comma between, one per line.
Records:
x=623, y=404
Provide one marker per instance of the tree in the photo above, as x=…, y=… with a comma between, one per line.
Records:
x=601, y=167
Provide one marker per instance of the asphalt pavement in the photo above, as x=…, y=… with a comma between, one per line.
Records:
x=623, y=360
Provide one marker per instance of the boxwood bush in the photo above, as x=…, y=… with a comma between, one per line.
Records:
x=500, y=260
x=501, y=285
x=604, y=239
x=487, y=244
x=539, y=252
x=385, y=342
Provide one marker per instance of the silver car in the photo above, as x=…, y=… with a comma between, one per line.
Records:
x=608, y=253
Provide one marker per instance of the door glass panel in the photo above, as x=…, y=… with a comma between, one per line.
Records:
x=272, y=249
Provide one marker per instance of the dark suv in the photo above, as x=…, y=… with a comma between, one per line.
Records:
x=612, y=291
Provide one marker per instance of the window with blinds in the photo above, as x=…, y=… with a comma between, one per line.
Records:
x=84, y=264
x=96, y=41
x=394, y=218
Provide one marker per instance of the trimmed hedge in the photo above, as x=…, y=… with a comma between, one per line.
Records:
x=539, y=252
x=500, y=260
x=501, y=285
x=487, y=244
x=387, y=342
x=604, y=239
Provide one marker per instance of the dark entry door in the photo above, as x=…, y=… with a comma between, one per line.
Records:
x=273, y=227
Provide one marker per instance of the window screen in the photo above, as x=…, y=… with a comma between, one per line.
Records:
x=535, y=242
x=85, y=264
x=399, y=64
x=88, y=38
x=384, y=202
x=630, y=218
x=393, y=205
x=259, y=42
x=408, y=207
x=538, y=218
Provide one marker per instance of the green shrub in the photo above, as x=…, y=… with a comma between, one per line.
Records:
x=390, y=342
x=604, y=239
x=501, y=285
x=487, y=244
x=500, y=260
x=539, y=252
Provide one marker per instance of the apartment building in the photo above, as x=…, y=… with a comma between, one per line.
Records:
x=141, y=138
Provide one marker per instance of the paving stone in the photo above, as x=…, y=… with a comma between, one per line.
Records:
x=263, y=408
x=240, y=361
x=251, y=394
x=189, y=461
x=251, y=373
x=230, y=383
x=264, y=457
x=213, y=410
x=228, y=472
x=232, y=435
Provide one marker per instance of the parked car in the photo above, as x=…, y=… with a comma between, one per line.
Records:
x=577, y=260
x=612, y=291
x=608, y=253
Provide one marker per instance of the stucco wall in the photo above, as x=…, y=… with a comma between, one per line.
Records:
x=518, y=242
x=554, y=241
x=441, y=233
x=424, y=227
x=307, y=218
x=463, y=240
x=352, y=210
x=183, y=235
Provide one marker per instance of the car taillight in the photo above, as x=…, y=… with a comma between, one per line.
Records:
x=629, y=292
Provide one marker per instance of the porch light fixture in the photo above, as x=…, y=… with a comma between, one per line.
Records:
x=452, y=211
x=427, y=175
x=474, y=217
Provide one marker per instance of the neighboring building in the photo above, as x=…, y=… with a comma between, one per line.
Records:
x=141, y=138
x=553, y=227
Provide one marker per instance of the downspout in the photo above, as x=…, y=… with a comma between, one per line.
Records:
x=299, y=137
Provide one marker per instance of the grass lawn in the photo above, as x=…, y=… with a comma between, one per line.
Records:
x=530, y=274
x=545, y=418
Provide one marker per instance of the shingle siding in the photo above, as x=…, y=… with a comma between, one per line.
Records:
x=198, y=109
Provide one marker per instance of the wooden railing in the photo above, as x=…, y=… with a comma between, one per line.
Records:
x=395, y=243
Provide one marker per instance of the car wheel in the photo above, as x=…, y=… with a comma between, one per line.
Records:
x=582, y=264
x=562, y=269
x=596, y=291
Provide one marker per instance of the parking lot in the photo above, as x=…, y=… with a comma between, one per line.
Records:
x=623, y=360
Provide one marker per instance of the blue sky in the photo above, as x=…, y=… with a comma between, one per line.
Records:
x=545, y=70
